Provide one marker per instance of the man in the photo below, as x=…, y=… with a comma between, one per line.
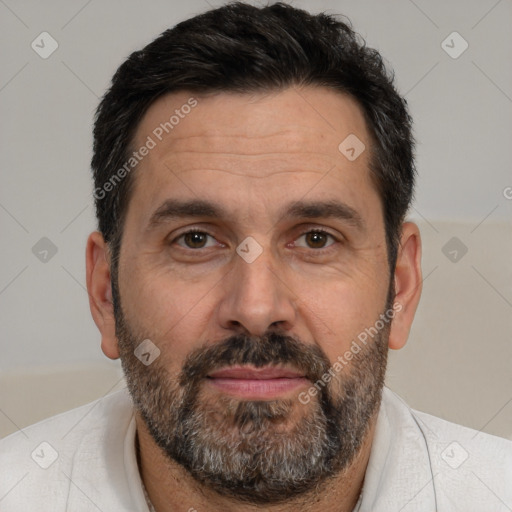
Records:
x=253, y=168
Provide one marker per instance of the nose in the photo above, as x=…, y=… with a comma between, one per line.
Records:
x=256, y=298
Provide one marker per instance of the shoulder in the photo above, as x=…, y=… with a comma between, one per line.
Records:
x=37, y=462
x=466, y=464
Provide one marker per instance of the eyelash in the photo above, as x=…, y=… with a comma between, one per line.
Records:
x=315, y=230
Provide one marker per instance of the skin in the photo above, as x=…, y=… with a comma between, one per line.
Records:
x=253, y=155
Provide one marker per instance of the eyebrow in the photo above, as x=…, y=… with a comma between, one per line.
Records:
x=173, y=209
x=332, y=209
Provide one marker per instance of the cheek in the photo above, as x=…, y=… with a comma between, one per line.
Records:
x=170, y=312
x=338, y=313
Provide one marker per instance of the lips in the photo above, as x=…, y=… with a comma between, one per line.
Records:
x=257, y=383
x=248, y=373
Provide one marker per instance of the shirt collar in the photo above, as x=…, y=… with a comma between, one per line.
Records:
x=399, y=475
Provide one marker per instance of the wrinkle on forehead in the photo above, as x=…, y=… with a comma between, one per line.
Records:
x=244, y=174
x=287, y=135
x=251, y=166
x=316, y=114
x=291, y=139
x=256, y=160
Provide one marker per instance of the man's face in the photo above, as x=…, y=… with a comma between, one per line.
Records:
x=285, y=267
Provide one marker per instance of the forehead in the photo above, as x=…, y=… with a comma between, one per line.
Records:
x=269, y=143
x=317, y=117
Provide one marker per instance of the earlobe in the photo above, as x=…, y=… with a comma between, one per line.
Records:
x=99, y=288
x=408, y=284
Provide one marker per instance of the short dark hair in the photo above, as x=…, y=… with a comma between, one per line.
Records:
x=245, y=49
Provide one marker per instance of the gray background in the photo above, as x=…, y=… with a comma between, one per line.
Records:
x=458, y=361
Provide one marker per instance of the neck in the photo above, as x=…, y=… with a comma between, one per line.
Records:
x=170, y=487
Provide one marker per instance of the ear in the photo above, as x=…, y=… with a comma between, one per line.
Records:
x=100, y=292
x=408, y=284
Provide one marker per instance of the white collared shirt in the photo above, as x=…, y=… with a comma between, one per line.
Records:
x=84, y=460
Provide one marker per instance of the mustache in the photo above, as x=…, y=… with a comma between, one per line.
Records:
x=271, y=349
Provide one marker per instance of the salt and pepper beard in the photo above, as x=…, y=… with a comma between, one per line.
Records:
x=252, y=450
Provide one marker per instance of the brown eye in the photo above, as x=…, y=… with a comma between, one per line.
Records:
x=316, y=239
x=195, y=240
